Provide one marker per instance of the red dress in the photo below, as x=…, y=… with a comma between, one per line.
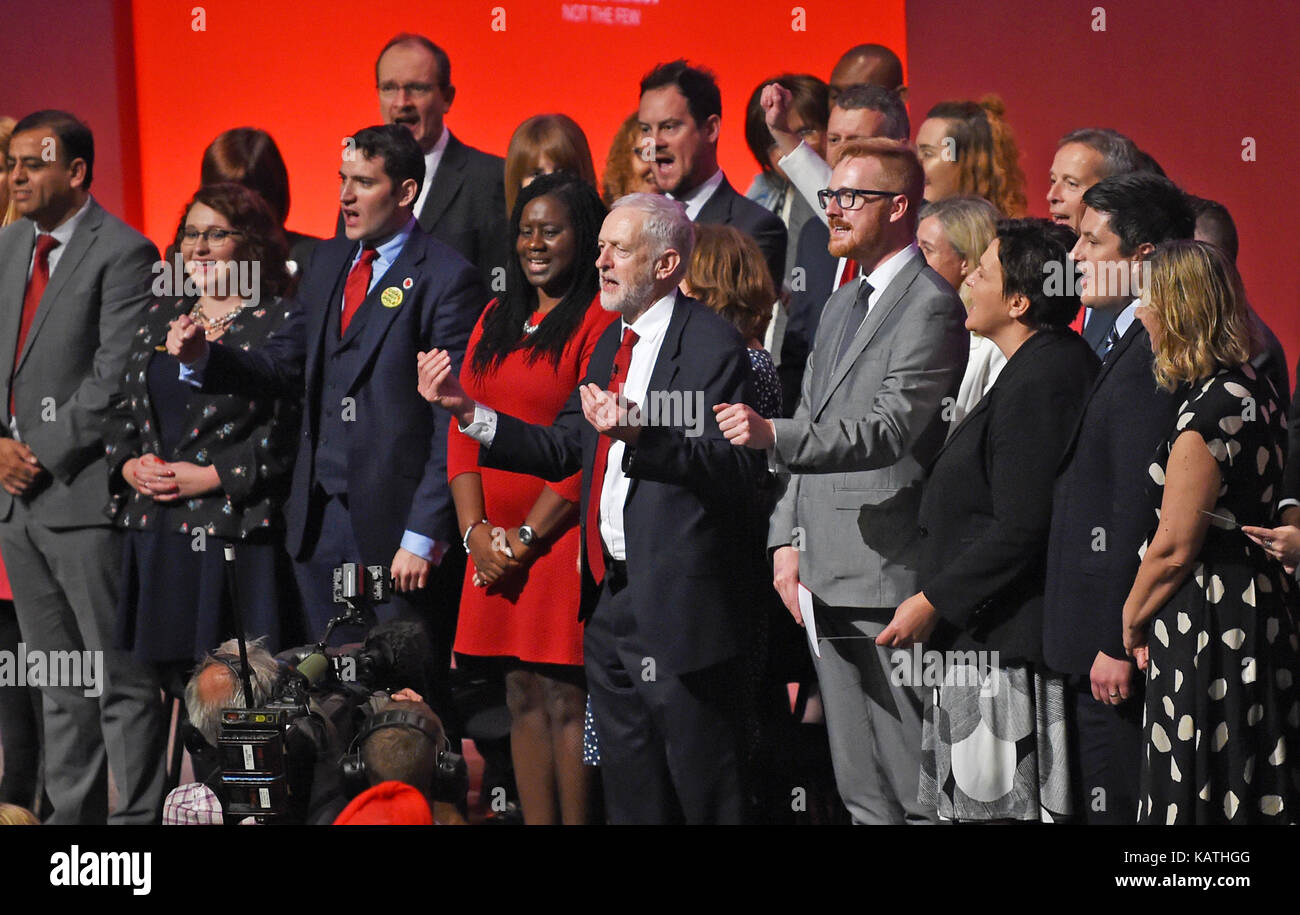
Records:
x=537, y=619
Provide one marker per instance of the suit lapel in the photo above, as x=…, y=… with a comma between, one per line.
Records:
x=14, y=258
x=717, y=209
x=447, y=182
x=875, y=319
x=368, y=337
x=1134, y=332
x=79, y=246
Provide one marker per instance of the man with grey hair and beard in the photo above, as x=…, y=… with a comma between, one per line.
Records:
x=663, y=508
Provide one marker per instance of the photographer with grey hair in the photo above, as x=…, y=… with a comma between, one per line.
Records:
x=662, y=508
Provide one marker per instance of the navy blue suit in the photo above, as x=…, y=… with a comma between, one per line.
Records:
x=373, y=452
x=666, y=728
x=1100, y=516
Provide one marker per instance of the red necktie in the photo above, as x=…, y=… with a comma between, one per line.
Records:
x=617, y=378
x=32, y=298
x=850, y=271
x=355, y=289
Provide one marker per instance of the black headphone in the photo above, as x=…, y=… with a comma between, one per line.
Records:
x=352, y=767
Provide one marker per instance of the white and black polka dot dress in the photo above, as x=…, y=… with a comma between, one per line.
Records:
x=1221, y=722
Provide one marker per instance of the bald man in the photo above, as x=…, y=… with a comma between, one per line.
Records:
x=868, y=64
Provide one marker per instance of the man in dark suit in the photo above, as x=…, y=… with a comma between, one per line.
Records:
x=681, y=114
x=370, y=480
x=663, y=496
x=1100, y=512
x=462, y=201
x=74, y=284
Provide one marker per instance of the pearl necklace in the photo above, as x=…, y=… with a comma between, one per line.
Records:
x=215, y=324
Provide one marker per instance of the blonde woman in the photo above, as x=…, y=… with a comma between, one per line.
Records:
x=8, y=213
x=967, y=148
x=953, y=234
x=1207, y=616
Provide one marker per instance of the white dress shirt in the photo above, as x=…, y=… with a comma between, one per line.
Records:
x=650, y=329
x=809, y=173
x=695, y=200
x=432, y=159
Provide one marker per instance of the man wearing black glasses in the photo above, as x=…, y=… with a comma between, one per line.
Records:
x=463, y=201
x=892, y=346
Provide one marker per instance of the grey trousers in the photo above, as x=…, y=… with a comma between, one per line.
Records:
x=65, y=585
x=873, y=725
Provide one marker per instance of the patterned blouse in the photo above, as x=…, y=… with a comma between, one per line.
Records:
x=251, y=442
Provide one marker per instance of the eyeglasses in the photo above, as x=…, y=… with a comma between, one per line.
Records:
x=850, y=198
x=216, y=238
x=414, y=90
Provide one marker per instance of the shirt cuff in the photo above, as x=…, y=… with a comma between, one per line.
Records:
x=484, y=427
x=1287, y=503
x=424, y=547
x=192, y=374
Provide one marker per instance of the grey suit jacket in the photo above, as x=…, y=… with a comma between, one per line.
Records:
x=71, y=366
x=852, y=458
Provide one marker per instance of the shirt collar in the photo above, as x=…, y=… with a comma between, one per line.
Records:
x=435, y=154
x=885, y=273
x=694, y=200
x=1124, y=320
x=63, y=234
x=654, y=321
x=387, y=251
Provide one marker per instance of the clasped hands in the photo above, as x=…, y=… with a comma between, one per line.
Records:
x=607, y=412
x=169, y=481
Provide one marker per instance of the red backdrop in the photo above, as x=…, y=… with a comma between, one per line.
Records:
x=308, y=77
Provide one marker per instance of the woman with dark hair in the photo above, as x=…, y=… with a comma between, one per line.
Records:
x=543, y=144
x=967, y=148
x=993, y=738
x=1210, y=615
x=249, y=156
x=520, y=603
x=189, y=471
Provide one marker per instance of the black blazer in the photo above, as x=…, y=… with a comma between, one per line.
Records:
x=466, y=209
x=987, y=503
x=808, y=295
x=250, y=440
x=397, y=449
x=726, y=207
x=685, y=510
x=1100, y=509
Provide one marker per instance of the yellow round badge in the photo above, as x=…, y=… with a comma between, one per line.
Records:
x=391, y=297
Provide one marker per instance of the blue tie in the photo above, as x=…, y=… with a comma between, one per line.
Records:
x=1111, y=339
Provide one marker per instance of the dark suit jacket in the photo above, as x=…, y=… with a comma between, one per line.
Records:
x=397, y=452
x=808, y=294
x=728, y=208
x=684, y=512
x=987, y=505
x=1100, y=510
x=70, y=371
